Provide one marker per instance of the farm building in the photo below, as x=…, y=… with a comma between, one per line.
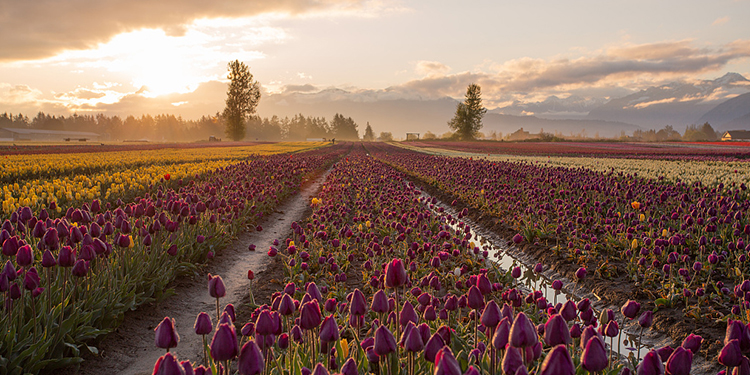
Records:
x=20, y=134
x=736, y=135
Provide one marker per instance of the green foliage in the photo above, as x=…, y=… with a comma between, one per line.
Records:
x=695, y=133
x=242, y=98
x=468, y=118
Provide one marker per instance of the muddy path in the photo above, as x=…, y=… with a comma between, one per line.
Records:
x=130, y=348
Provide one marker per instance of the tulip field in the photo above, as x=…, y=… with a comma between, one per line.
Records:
x=380, y=278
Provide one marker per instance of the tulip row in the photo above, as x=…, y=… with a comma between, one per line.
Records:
x=680, y=169
x=71, y=179
x=680, y=243
x=68, y=280
x=380, y=281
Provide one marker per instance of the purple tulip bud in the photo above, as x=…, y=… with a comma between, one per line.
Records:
x=310, y=316
x=216, y=287
x=48, y=260
x=651, y=364
x=168, y=365
x=251, y=360
x=25, y=256
x=66, y=257
x=558, y=362
x=491, y=315
x=512, y=360
x=517, y=238
x=357, y=305
x=630, y=309
x=516, y=272
x=379, y=302
x=329, y=330
x=730, y=354
x=522, y=332
x=433, y=345
x=680, y=362
x=502, y=334
x=612, y=329
x=692, y=343
x=646, y=319
x=581, y=273
x=395, y=274
x=446, y=363
x=203, y=325
x=408, y=314
x=556, y=331
x=594, y=357
x=349, y=367
x=81, y=268
x=224, y=343
x=166, y=334
x=385, y=343
x=474, y=298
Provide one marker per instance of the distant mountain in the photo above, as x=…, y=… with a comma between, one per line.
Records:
x=553, y=107
x=677, y=104
x=724, y=113
x=740, y=123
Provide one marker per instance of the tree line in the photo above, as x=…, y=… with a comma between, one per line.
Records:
x=167, y=127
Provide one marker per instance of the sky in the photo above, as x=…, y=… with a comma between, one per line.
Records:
x=170, y=56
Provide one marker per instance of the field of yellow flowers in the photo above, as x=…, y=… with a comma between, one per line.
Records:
x=38, y=180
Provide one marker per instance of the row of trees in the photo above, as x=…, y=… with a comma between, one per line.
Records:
x=174, y=128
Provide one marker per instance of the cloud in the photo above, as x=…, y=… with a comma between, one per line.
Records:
x=430, y=68
x=533, y=79
x=44, y=28
x=720, y=21
x=16, y=94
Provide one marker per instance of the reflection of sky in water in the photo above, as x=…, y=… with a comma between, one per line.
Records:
x=530, y=280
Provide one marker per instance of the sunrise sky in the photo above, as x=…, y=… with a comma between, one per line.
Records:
x=170, y=56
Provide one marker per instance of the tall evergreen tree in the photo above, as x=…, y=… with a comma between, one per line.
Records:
x=468, y=118
x=242, y=98
x=369, y=135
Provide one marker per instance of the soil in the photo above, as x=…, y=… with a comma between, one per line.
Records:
x=130, y=348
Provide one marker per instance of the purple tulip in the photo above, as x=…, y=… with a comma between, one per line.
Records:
x=630, y=309
x=474, y=298
x=651, y=365
x=692, y=343
x=433, y=345
x=166, y=334
x=558, y=362
x=357, y=305
x=395, y=274
x=581, y=273
x=646, y=319
x=310, y=316
x=556, y=331
x=203, y=325
x=66, y=257
x=251, y=360
x=329, y=330
x=379, y=302
x=264, y=324
x=408, y=314
x=517, y=238
x=446, y=363
x=168, y=365
x=491, y=315
x=80, y=268
x=594, y=356
x=224, y=343
x=349, y=367
x=522, y=332
x=512, y=360
x=516, y=272
x=216, y=287
x=680, y=362
x=385, y=343
x=731, y=355
x=48, y=260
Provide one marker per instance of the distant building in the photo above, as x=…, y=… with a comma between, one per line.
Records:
x=519, y=135
x=736, y=135
x=21, y=134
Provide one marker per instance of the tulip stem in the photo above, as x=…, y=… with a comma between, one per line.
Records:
x=205, y=352
x=218, y=317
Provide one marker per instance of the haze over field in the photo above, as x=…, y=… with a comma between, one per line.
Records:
x=400, y=65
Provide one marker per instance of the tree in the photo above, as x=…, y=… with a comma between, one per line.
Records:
x=385, y=137
x=468, y=118
x=344, y=128
x=242, y=98
x=369, y=135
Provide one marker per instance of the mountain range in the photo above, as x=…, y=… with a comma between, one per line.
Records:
x=723, y=102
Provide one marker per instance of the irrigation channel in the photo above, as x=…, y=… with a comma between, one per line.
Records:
x=509, y=257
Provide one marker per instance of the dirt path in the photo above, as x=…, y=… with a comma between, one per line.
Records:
x=130, y=348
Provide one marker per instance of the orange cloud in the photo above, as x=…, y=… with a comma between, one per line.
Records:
x=42, y=28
